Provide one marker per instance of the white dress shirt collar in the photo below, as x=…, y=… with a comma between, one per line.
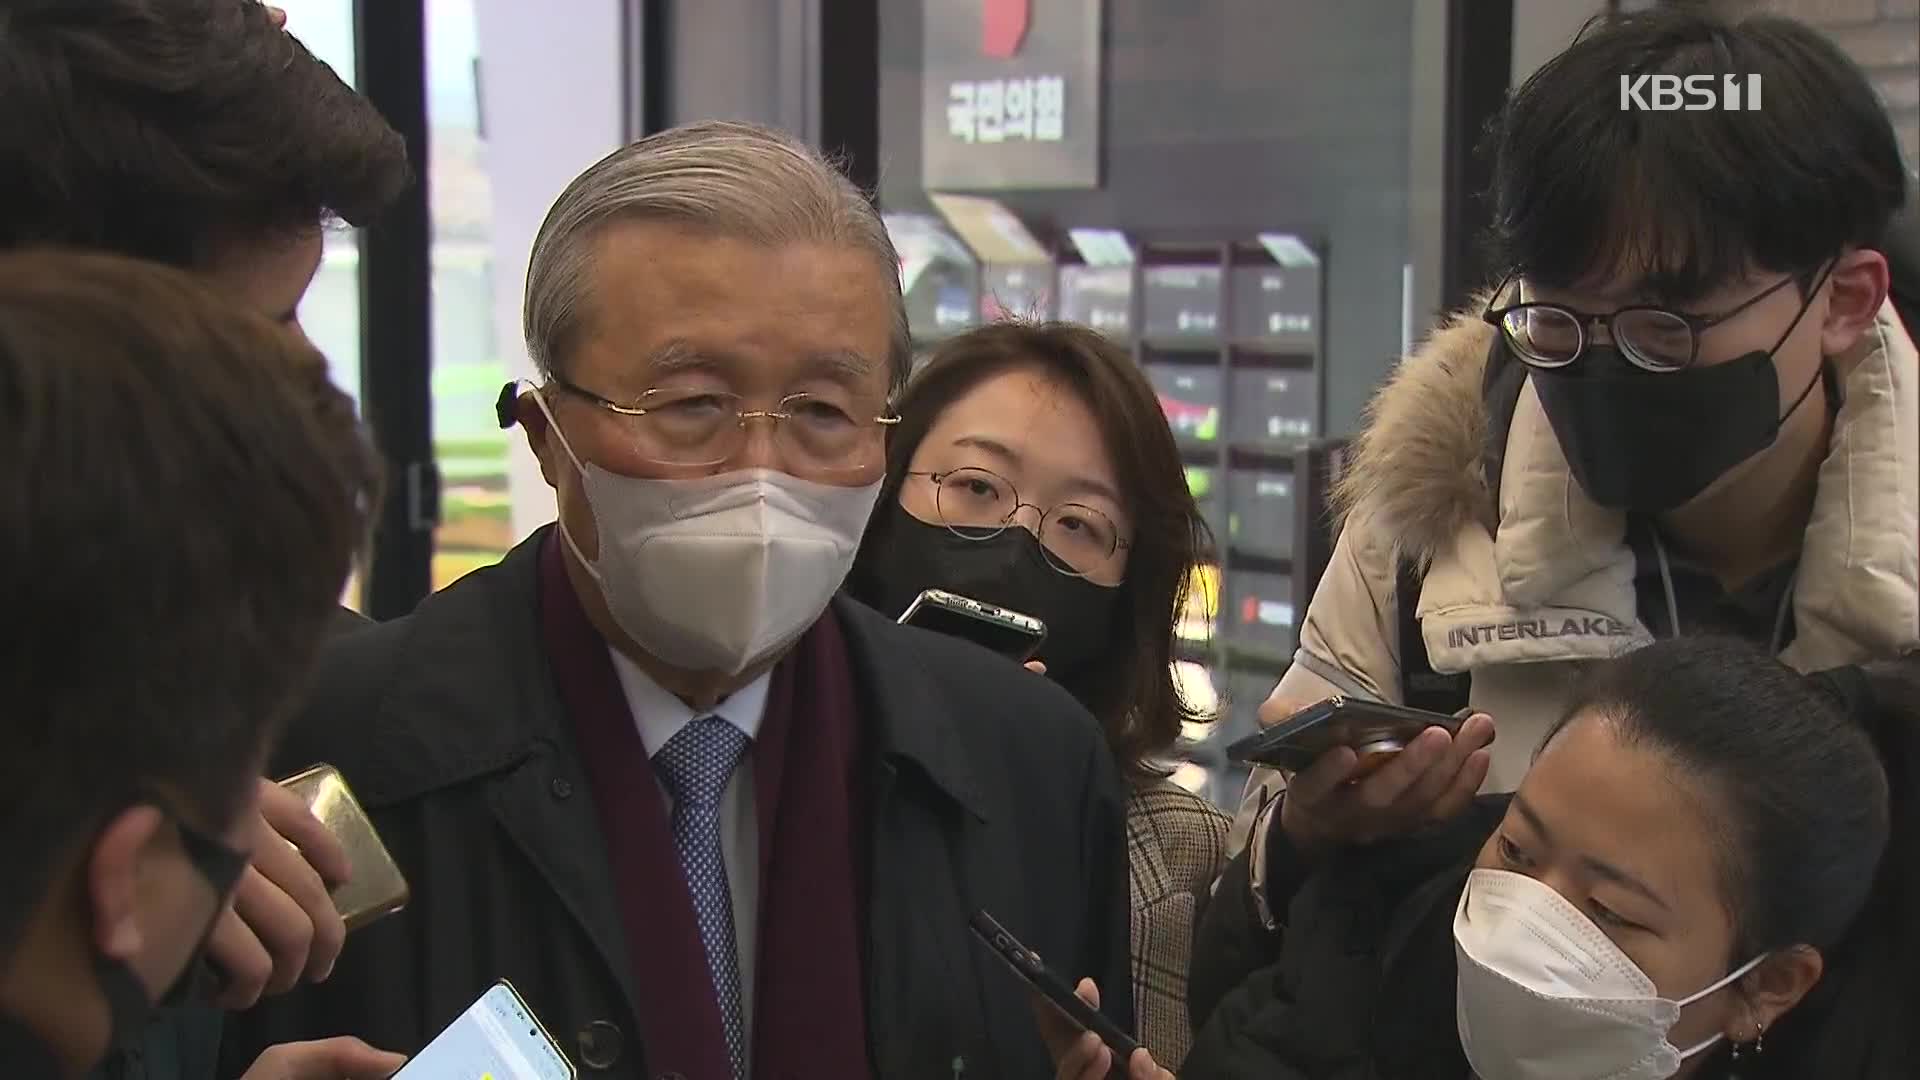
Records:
x=659, y=715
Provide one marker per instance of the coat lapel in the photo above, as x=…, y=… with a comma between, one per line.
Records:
x=501, y=722
x=924, y=878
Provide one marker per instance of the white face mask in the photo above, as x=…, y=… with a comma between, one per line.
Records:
x=718, y=573
x=1544, y=994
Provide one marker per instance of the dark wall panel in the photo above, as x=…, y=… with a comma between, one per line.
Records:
x=1247, y=114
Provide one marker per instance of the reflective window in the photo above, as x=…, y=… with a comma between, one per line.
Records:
x=466, y=366
x=475, y=515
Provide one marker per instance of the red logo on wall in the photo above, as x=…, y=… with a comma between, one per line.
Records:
x=1003, y=26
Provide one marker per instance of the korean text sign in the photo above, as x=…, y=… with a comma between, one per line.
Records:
x=1010, y=94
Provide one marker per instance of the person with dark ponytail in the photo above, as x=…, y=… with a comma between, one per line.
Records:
x=1863, y=1017
x=1710, y=872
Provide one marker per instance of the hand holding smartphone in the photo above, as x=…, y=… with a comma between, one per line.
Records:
x=498, y=1037
x=1400, y=777
x=1027, y=964
x=1374, y=730
x=378, y=887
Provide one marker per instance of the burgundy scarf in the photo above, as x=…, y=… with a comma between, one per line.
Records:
x=809, y=1010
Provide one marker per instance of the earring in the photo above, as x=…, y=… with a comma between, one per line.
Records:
x=1751, y=1048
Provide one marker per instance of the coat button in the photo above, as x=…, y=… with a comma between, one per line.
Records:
x=561, y=787
x=600, y=1045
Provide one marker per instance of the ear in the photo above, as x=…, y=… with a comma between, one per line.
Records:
x=1770, y=990
x=540, y=439
x=1855, y=290
x=113, y=870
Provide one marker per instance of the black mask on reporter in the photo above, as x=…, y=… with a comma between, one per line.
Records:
x=906, y=556
x=129, y=1008
x=1649, y=442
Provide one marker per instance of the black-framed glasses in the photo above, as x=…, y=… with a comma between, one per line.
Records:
x=978, y=504
x=697, y=427
x=1653, y=338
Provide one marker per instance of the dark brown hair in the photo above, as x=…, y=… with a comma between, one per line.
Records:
x=1673, y=200
x=1810, y=782
x=182, y=494
x=147, y=127
x=1134, y=695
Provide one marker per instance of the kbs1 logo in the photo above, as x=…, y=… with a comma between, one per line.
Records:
x=1694, y=93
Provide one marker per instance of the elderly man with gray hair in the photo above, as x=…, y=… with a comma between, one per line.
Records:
x=710, y=818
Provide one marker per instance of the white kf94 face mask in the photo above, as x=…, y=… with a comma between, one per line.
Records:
x=718, y=573
x=1544, y=994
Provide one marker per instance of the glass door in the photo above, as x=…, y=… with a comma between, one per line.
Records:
x=476, y=525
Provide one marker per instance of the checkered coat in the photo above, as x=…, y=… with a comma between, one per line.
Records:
x=1176, y=846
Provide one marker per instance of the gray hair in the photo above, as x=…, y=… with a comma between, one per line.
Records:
x=739, y=179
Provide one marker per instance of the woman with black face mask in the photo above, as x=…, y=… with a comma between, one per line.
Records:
x=1033, y=469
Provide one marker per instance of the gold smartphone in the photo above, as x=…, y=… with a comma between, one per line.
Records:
x=378, y=888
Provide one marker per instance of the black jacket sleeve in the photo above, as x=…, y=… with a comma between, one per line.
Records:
x=1109, y=896
x=1229, y=944
x=1301, y=1000
x=1252, y=1033
x=1231, y=941
x=1358, y=982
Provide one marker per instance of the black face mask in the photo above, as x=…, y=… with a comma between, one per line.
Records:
x=24, y=1053
x=905, y=556
x=128, y=1008
x=1647, y=441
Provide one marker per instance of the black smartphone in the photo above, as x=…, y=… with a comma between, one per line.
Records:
x=1375, y=730
x=1027, y=964
x=1010, y=633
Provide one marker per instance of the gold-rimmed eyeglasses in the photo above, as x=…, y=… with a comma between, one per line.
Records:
x=1078, y=540
x=698, y=427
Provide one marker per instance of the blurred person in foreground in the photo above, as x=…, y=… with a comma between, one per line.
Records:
x=1687, y=407
x=1032, y=468
x=709, y=819
x=182, y=494
x=1710, y=873
x=197, y=133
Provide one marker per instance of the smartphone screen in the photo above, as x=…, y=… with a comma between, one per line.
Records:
x=1010, y=634
x=497, y=1038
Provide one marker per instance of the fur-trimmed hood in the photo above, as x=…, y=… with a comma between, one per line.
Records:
x=1417, y=462
x=1515, y=589
x=1416, y=486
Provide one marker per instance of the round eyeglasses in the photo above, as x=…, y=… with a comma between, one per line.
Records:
x=1653, y=338
x=1077, y=540
x=695, y=428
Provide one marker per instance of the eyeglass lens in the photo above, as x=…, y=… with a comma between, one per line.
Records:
x=1552, y=336
x=690, y=428
x=978, y=504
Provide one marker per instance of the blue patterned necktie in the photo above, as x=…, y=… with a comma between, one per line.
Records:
x=695, y=766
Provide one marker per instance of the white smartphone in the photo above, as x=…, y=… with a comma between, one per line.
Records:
x=497, y=1038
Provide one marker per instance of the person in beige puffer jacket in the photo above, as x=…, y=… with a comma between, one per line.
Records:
x=1690, y=405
